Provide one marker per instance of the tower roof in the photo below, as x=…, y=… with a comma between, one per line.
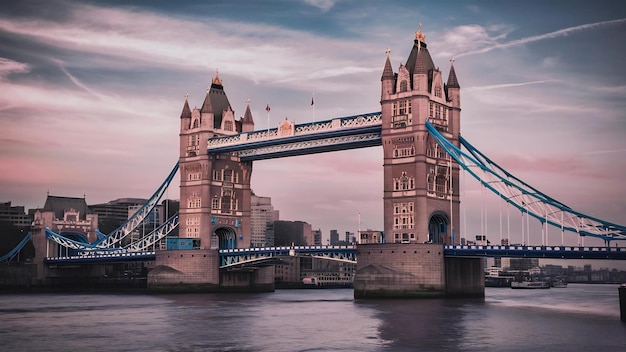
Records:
x=387, y=71
x=186, y=113
x=58, y=205
x=215, y=101
x=453, y=82
x=247, y=116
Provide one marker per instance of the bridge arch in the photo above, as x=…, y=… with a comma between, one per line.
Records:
x=227, y=237
x=438, y=224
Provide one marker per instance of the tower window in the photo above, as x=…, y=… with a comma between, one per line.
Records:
x=403, y=86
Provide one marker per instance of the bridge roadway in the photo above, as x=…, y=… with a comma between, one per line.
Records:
x=243, y=256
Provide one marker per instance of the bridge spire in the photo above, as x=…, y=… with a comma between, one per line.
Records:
x=247, y=123
x=453, y=82
x=186, y=113
x=387, y=71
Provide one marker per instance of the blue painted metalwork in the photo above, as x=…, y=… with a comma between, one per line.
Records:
x=137, y=218
x=524, y=197
x=243, y=256
x=251, y=256
x=101, y=257
x=343, y=133
x=12, y=253
x=551, y=252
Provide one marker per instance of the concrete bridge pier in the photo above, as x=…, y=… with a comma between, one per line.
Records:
x=198, y=271
x=415, y=271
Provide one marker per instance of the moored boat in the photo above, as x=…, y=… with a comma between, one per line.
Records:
x=530, y=284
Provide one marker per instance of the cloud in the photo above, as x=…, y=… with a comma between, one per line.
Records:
x=8, y=66
x=486, y=41
x=158, y=40
x=504, y=85
x=323, y=5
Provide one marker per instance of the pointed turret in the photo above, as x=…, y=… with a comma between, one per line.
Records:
x=207, y=107
x=247, y=123
x=453, y=82
x=186, y=113
x=387, y=71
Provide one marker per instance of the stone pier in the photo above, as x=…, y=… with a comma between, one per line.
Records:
x=415, y=271
x=198, y=271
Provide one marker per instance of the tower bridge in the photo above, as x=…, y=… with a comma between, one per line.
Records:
x=418, y=127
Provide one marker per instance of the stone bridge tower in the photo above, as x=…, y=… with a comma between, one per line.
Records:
x=421, y=188
x=214, y=188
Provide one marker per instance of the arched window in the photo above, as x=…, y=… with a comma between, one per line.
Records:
x=403, y=86
x=228, y=125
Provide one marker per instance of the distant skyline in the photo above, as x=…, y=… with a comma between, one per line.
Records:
x=92, y=94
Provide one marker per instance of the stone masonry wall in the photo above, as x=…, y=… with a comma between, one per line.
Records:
x=399, y=270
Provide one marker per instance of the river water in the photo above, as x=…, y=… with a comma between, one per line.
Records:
x=576, y=318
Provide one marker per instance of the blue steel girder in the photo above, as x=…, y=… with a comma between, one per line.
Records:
x=350, y=132
x=12, y=253
x=137, y=218
x=142, y=244
x=242, y=256
x=549, y=252
x=523, y=196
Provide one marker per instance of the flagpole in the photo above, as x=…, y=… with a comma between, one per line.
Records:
x=313, y=104
x=268, y=118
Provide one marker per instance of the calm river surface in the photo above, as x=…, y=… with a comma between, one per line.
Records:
x=577, y=318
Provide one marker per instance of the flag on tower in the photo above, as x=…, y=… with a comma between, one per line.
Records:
x=267, y=108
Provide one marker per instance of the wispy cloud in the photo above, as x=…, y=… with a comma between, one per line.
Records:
x=156, y=39
x=555, y=34
x=505, y=85
x=323, y=5
x=8, y=66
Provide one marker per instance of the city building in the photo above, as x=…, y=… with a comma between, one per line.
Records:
x=287, y=233
x=152, y=221
x=68, y=216
x=262, y=217
x=371, y=236
x=113, y=214
x=14, y=215
x=519, y=264
x=334, y=237
x=317, y=237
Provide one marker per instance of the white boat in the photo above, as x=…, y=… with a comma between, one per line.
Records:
x=530, y=284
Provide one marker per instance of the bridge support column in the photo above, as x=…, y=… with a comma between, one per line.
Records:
x=415, y=271
x=185, y=271
x=622, y=302
x=258, y=279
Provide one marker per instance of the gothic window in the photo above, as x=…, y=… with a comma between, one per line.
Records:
x=217, y=175
x=405, y=181
x=228, y=175
x=431, y=178
x=195, y=123
x=228, y=125
x=431, y=108
x=403, y=86
x=226, y=204
x=438, y=91
x=402, y=108
x=215, y=203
